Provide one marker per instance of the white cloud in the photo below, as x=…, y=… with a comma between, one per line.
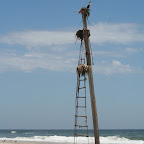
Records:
x=115, y=67
x=133, y=50
x=117, y=52
x=123, y=33
x=51, y=50
x=67, y=62
x=31, y=39
x=116, y=63
x=31, y=61
x=110, y=53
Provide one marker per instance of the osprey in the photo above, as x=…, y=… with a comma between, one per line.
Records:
x=89, y=5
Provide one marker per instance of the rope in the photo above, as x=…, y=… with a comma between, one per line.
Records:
x=91, y=53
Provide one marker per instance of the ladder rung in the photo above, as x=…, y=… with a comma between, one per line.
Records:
x=81, y=135
x=82, y=87
x=82, y=79
x=80, y=126
x=79, y=116
x=82, y=59
x=81, y=106
x=81, y=97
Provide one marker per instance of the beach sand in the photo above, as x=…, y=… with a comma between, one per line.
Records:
x=22, y=142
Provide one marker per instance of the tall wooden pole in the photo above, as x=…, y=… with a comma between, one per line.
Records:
x=85, y=13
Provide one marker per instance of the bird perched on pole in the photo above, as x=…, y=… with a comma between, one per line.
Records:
x=89, y=5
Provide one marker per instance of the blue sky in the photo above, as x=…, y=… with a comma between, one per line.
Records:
x=38, y=58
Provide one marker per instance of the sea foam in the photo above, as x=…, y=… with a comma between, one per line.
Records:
x=13, y=131
x=80, y=140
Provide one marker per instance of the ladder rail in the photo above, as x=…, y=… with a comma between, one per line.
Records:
x=79, y=128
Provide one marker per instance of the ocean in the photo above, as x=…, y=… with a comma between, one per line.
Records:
x=66, y=136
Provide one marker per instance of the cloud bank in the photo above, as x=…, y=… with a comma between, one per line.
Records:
x=52, y=50
x=123, y=33
x=115, y=67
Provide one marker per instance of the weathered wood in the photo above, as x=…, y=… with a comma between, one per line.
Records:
x=90, y=75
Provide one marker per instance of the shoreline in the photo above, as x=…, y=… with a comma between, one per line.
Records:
x=24, y=142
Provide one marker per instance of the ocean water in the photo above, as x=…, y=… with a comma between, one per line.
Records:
x=66, y=136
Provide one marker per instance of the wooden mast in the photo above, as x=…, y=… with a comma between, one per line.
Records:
x=86, y=34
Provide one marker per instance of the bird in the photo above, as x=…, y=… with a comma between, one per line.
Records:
x=89, y=5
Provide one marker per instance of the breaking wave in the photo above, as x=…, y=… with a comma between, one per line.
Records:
x=13, y=131
x=80, y=140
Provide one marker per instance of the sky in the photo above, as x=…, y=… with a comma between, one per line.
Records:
x=39, y=55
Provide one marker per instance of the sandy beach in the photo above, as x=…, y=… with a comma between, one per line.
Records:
x=24, y=142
